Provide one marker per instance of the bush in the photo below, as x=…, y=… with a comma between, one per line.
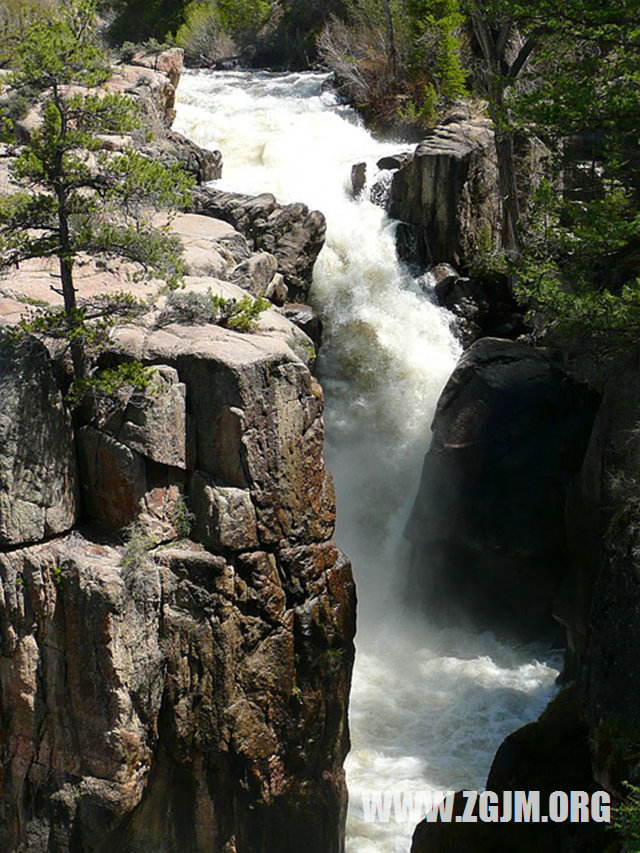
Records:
x=138, y=543
x=625, y=819
x=197, y=308
x=14, y=18
x=397, y=58
x=202, y=36
x=215, y=30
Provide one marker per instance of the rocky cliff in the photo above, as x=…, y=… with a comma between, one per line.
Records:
x=445, y=194
x=176, y=622
x=189, y=695
x=527, y=514
x=487, y=527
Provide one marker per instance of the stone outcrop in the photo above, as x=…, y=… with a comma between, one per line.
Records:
x=175, y=671
x=488, y=533
x=151, y=79
x=172, y=147
x=446, y=195
x=188, y=696
x=482, y=307
x=587, y=738
x=291, y=233
x=38, y=472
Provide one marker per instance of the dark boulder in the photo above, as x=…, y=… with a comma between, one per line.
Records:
x=487, y=527
x=550, y=754
x=483, y=307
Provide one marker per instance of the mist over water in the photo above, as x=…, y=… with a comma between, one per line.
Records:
x=429, y=707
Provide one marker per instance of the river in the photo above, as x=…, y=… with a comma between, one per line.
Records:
x=429, y=707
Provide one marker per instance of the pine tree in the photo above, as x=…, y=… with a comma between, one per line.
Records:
x=77, y=199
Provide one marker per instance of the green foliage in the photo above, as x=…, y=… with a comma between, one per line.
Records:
x=203, y=36
x=115, y=383
x=423, y=110
x=196, y=308
x=14, y=18
x=182, y=518
x=78, y=199
x=580, y=263
x=625, y=819
x=214, y=29
x=137, y=545
x=141, y=20
x=92, y=324
x=244, y=314
x=435, y=52
x=398, y=50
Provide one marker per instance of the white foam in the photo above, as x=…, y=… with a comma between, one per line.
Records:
x=428, y=707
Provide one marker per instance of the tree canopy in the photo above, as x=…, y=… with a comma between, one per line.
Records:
x=76, y=198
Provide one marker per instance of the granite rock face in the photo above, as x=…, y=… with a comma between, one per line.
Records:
x=446, y=195
x=292, y=233
x=186, y=690
x=192, y=696
x=488, y=531
x=38, y=471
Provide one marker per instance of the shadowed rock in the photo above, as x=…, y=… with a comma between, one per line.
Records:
x=509, y=433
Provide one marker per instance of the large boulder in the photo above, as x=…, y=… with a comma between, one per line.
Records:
x=446, y=195
x=550, y=754
x=292, y=233
x=487, y=527
x=38, y=477
x=183, y=703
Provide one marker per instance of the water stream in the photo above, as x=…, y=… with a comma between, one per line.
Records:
x=429, y=707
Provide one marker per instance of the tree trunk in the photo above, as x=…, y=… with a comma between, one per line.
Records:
x=508, y=192
x=392, y=40
x=499, y=75
x=65, y=254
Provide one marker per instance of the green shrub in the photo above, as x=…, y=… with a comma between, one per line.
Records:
x=138, y=543
x=182, y=518
x=197, y=308
x=215, y=30
x=625, y=819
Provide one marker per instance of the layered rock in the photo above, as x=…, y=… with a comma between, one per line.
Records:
x=291, y=233
x=38, y=471
x=487, y=528
x=446, y=195
x=173, y=693
x=184, y=698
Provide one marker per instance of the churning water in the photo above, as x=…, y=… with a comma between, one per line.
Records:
x=429, y=707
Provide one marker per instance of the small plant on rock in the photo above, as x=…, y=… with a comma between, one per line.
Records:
x=196, y=308
x=138, y=543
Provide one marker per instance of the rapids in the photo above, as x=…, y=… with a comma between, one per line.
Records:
x=429, y=707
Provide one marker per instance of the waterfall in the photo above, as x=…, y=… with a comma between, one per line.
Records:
x=429, y=707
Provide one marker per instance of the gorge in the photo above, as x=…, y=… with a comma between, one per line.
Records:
x=183, y=666
x=429, y=706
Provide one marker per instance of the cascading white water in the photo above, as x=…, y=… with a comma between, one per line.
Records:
x=429, y=707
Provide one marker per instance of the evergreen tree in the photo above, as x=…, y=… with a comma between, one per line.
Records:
x=76, y=198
